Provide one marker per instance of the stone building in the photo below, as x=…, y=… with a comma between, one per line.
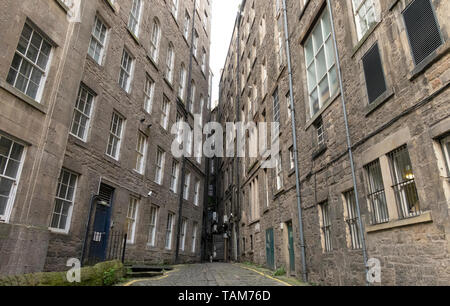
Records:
x=393, y=64
x=87, y=109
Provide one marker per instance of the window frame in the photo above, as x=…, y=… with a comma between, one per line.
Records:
x=76, y=110
x=135, y=19
x=113, y=135
x=169, y=231
x=328, y=68
x=133, y=203
x=153, y=228
x=142, y=161
x=325, y=227
x=71, y=202
x=5, y=217
x=98, y=41
x=159, y=166
x=34, y=64
x=124, y=70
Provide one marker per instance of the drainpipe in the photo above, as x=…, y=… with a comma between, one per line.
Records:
x=349, y=144
x=294, y=137
x=238, y=119
x=183, y=162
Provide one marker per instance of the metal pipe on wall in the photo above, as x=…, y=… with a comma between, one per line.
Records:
x=183, y=166
x=294, y=136
x=349, y=144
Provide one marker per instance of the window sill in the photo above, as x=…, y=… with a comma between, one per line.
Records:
x=112, y=160
x=322, y=110
x=278, y=193
x=253, y=222
x=423, y=218
x=63, y=5
x=429, y=60
x=78, y=142
x=291, y=172
x=364, y=38
x=319, y=151
x=23, y=97
x=153, y=62
x=135, y=38
x=388, y=94
x=58, y=232
x=114, y=7
x=168, y=83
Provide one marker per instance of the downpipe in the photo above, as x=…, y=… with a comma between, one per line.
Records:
x=349, y=144
x=294, y=136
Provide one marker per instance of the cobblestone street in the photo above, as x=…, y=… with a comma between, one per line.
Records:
x=210, y=274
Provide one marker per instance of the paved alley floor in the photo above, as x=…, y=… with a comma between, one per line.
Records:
x=210, y=274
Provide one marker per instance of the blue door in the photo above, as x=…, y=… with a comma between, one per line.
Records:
x=100, y=233
x=101, y=226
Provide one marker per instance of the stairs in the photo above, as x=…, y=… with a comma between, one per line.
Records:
x=142, y=271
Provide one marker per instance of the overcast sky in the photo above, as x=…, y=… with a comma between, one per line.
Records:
x=223, y=18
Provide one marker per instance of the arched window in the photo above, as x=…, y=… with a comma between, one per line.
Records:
x=170, y=63
x=182, y=81
x=154, y=41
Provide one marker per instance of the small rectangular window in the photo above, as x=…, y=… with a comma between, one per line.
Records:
x=373, y=71
x=422, y=28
